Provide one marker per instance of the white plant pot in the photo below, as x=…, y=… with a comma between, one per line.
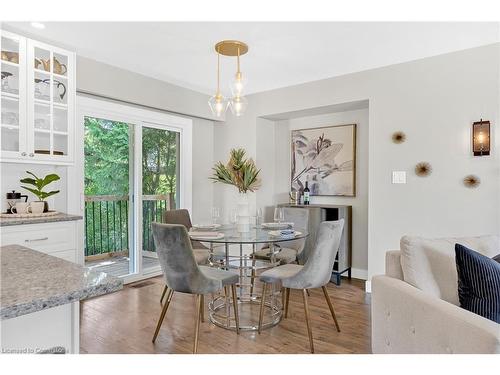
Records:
x=243, y=224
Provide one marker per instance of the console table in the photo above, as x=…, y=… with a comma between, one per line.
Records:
x=328, y=212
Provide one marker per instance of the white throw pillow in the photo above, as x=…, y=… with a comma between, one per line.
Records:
x=429, y=264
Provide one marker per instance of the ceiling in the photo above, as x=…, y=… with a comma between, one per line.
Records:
x=280, y=54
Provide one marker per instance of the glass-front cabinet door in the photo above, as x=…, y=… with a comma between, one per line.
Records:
x=50, y=102
x=13, y=96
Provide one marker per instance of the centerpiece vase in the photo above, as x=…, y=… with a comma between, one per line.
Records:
x=243, y=224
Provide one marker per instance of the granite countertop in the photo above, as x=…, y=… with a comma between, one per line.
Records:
x=32, y=281
x=7, y=221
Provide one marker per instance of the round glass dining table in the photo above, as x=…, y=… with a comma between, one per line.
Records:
x=235, y=251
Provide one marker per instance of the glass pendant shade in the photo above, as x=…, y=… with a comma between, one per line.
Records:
x=238, y=84
x=218, y=104
x=238, y=105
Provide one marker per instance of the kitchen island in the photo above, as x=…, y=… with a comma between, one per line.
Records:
x=40, y=296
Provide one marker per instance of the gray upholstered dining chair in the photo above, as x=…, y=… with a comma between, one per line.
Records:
x=315, y=273
x=182, y=273
x=290, y=251
x=201, y=252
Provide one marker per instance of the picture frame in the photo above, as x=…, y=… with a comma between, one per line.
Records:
x=326, y=158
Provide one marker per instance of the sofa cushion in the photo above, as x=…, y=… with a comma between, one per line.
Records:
x=429, y=264
x=478, y=283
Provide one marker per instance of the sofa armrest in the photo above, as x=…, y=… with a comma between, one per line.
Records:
x=407, y=320
x=393, y=264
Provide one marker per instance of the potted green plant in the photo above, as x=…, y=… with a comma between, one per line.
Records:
x=244, y=175
x=38, y=185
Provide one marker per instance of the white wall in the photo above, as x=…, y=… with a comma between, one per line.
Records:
x=203, y=161
x=434, y=101
x=359, y=203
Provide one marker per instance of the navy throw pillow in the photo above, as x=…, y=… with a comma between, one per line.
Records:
x=478, y=283
x=497, y=258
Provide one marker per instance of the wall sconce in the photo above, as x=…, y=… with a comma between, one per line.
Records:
x=481, y=138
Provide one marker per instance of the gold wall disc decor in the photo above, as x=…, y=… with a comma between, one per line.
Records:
x=423, y=169
x=398, y=137
x=471, y=181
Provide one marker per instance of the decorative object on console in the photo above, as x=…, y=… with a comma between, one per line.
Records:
x=326, y=158
x=481, y=138
x=39, y=184
x=472, y=181
x=398, y=137
x=244, y=175
x=423, y=169
x=218, y=103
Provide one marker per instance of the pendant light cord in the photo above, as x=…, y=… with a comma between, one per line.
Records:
x=218, y=69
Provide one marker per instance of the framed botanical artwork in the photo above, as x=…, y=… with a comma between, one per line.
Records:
x=326, y=159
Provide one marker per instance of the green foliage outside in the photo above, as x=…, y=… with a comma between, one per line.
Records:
x=107, y=163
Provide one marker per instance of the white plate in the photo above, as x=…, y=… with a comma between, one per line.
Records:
x=193, y=236
x=277, y=233
x=277, y=225
x=206, y=226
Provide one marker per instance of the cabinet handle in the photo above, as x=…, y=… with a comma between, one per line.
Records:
x=37, y=239
x=23, y=154
x=31, y=155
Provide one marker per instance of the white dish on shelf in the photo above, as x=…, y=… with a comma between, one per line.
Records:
x=28, y=215
x=206, y=226
x=277, y=233
x=277, y=225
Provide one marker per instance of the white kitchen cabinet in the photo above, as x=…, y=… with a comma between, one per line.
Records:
x=37, y=102
x=57, y=238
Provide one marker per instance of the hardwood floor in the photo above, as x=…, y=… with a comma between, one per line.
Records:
x=124, y=322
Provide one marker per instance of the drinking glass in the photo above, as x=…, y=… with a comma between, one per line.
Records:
x=233, y=216
x=215, y=215
x=258, y=217
x=278, y=214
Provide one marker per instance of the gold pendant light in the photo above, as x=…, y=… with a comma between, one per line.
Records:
x=218, y=103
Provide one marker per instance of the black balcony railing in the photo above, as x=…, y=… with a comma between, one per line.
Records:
x=107, y=221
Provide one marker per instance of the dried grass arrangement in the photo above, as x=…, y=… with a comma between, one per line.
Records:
x=239, y=172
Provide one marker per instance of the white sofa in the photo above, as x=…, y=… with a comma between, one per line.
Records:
x=415, y=306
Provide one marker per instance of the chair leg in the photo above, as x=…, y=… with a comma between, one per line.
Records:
x=226, y=302
x=197, y=325
x=287, y=299
x=262, y=303
x=283, y=298
x=202, y=312
x=308, y=322
x=236, y=312
x=330, y=305
x=163, y=293
x=170, y=293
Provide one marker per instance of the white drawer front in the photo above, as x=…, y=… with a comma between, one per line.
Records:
x=47, y=238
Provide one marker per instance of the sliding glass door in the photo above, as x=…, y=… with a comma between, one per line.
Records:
x=160, y=183
x=109, y=187
x=135, y=165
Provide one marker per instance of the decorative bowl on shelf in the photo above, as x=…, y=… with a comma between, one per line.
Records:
x=10, y=56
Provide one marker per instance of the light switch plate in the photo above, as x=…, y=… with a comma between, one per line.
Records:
x=398, y=177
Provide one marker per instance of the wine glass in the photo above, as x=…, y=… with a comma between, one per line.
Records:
x=258, y=217
x=278, y=214
x=215, y=215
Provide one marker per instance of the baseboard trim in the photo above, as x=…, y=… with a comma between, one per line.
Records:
x=357, y=273
x=368, y=286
